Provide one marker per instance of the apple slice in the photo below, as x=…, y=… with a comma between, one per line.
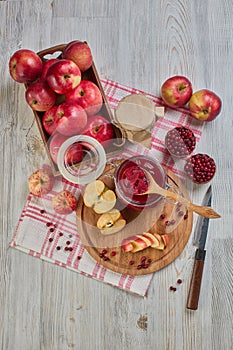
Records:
x=154, y=240
x=139, y=244
x=127, y=246
x=165, y=239
x=161, y=245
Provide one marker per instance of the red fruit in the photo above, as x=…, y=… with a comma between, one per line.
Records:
x=46, y=66
x=63, y=76
x=49, y=120
x=176, y=91
x=200, y=168
x=40, y=97
x=87, y=95
x=54, y=145
x=64, y=202
x=80, y=53
x=25, y=66
x=40, y=182
x=180, y=141
x=205, y=105
x=100, y=129
x=74, y=154
x=71, y=119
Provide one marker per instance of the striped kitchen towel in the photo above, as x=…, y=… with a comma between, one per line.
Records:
x=54, y=238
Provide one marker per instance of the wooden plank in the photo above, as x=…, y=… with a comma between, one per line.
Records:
x=140, y=44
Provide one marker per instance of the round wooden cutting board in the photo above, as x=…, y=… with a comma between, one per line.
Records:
x=147, y=220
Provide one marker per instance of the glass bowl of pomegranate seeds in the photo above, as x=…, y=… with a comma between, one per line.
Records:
x=180, y=142
x=81, y=159
x=200, y=168
x=131, y=181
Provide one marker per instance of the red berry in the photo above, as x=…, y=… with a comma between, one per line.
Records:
x=200, y=168
x=42, y=211
x=180, y=142
x=179, y=281
x=113, y=253
x=104, y=251
x=131, y=262
x=68, y=242
x=58, y=248
x=50, y=239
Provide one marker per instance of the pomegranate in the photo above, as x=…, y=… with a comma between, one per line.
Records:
x=180, y=142
x=200, y=168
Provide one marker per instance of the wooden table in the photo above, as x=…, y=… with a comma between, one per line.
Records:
x=140, y=44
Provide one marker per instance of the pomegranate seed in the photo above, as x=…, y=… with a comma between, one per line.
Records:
x=48, y=224
x=42, y=211
x=185, y=216
x=173, y=288
x=149, y=261
x=113, y=253
x=68, y=242
x=168, y=223
x=181, y=213
x=51, y=229
x=172, y=222
x=145, y=266
x=162, y=216
x=179, y=281
x=66, y=248
x=101, y=255
x=104, y=251
x=50, y=239
x=58, y=248
x=79, y=257
x=143, y=258
x=106, y=258
x=70, y=249
x=139, y=267
x=131, y=262
x=60, y=234
x=70, y=236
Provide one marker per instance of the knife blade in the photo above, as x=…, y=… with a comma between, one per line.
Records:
x=200, y=236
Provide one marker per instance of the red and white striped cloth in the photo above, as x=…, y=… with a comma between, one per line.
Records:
x=44, y=234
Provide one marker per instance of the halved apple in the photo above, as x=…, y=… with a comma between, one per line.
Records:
x=111, y=222
x=99, y=197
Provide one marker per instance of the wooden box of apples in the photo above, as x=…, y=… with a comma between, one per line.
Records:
x=66, y=96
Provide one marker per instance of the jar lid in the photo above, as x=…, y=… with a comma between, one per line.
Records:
x=92, y=159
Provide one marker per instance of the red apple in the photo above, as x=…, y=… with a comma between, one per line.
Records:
x=40, y=97
x=87, y=95
x=41, y=182
x=205, y=105
x=25, y=66
x=176, y=91
x=46, y=66
x=63, y=76
x=64, y=202
x=49, y=120
x=74, y=154
x=100, y=129
x=80, y=53
x=71, y=119
x=54, y=145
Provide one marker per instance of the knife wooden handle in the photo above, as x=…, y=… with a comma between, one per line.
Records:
x=195, y=284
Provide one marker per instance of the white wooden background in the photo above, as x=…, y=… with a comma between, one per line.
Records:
x=138, y=43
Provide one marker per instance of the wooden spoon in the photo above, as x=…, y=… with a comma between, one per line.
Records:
x=207, y=212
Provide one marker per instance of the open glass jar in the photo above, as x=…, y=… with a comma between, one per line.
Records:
x=130, y=182
x=81, y=159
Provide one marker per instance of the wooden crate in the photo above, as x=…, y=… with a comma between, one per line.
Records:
x=90, y=74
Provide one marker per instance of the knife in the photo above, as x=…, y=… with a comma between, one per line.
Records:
x=200, y=236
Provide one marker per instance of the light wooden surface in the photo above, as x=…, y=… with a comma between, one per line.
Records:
x=138, y=43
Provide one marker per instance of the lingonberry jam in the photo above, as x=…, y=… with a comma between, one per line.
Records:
x=131, y=181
